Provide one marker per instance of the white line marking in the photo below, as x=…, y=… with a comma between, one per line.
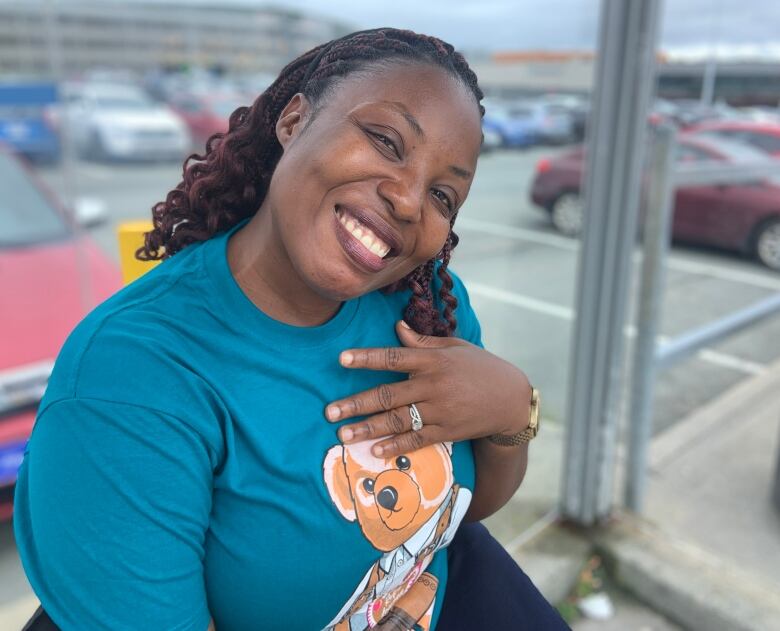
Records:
x=518, y=300
x=674, y=262
x=729, y=361
x=513, y=232
x=564, y=313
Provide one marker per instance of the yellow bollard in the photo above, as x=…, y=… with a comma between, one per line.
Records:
x=131, y=237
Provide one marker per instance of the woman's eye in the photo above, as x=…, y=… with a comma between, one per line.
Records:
x=445, y=199
x=385, y=141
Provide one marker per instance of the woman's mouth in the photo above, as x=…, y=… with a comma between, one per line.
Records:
x=360, y=242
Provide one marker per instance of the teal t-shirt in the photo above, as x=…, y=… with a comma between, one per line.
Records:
x=181, y=467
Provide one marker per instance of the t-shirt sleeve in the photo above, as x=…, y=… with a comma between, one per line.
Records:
x=111, y=510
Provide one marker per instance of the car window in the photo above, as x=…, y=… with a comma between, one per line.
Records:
x=122, y=102
x=688, y=153
x=766, y=142
x=26, y=215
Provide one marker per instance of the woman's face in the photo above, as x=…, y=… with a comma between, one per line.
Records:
x=365, y=190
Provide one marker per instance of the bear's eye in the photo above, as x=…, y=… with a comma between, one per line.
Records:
x=368, y=484
x=402, y=462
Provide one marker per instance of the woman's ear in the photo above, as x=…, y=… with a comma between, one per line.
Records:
x=292, y=119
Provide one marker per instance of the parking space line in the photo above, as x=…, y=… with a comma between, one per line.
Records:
x=518, y=300
x=514, y=299
x=513, y=232
x=674, y=262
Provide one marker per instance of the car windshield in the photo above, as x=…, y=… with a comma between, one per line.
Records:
x=122, y=103
x=26, y=216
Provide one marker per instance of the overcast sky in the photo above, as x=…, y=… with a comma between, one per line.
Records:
x=742, y=27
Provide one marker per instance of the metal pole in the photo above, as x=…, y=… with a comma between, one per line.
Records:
x=708, y=82
x=625, y=75
x=656, y=246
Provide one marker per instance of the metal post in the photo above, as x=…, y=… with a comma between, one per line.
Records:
x=656, y=246
x=776, y=485
x=625, y=75
x=708, y=82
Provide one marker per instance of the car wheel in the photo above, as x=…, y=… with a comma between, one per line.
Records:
x=566, y=213
x=767, y=248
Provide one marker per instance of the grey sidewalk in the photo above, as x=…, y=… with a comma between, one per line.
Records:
x=706, y=553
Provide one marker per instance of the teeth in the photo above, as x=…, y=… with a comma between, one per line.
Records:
x=363, y=234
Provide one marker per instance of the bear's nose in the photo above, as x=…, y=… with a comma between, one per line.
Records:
x=387, y=498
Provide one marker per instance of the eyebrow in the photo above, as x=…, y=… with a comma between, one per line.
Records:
x=401, y=109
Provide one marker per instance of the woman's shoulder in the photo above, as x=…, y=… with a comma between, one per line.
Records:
x=129, y=348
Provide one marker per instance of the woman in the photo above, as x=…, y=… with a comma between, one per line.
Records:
x=234, y=435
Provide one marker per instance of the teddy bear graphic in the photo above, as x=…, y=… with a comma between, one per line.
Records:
x=408, y=507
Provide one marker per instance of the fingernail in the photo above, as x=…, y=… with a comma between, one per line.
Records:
x=377, y=450
x=346, y=359
x=346, y=434
x=332, y=412
x=403, y=324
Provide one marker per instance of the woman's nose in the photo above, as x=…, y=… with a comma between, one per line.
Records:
x=405, y=195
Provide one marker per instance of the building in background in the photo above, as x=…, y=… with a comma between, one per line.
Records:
x=143, y=36
x=526, y=73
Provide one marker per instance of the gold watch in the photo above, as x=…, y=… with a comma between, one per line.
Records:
x=528, y=433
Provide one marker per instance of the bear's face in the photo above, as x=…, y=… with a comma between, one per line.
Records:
x=391, y=498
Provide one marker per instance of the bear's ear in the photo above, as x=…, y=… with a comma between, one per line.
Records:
x=334, y=471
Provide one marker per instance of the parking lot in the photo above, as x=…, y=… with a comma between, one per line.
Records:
x=522, y=275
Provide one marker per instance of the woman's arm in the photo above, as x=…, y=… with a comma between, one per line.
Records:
x=113, y=503
x=500, y=471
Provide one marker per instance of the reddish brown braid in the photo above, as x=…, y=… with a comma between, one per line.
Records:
x=228, y=182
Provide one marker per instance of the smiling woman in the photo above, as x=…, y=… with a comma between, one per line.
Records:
x=250, y=433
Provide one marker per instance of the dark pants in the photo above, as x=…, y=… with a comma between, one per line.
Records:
x=487, y=590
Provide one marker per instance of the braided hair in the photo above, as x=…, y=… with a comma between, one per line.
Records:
x=228, y=182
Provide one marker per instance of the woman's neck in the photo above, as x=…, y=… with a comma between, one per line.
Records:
x=266, y=275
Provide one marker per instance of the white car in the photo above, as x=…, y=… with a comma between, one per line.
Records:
x=120, y=122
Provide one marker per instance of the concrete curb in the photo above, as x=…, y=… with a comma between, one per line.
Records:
x=691, y=586
x=717, y=415
x=553, y=560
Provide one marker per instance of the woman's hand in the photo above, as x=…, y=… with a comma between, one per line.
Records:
x=461, y=391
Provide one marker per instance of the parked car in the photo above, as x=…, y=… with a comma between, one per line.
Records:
x=120, y=122
x=575, y=107
x=51, y=275
x=205, y=115
x=742, y=217
x=763, y=136
x=515, y=128
x=27, y=119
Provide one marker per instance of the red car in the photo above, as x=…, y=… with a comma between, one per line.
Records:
x=763, y=136
x=206, y=115
x=50, y=278
x=741, y=217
